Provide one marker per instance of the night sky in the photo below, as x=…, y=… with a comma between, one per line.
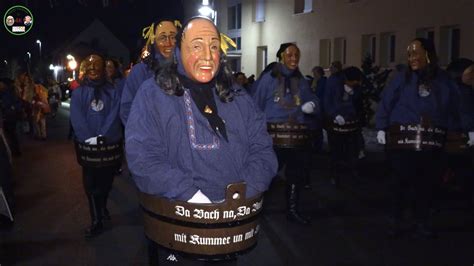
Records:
x=53, y=26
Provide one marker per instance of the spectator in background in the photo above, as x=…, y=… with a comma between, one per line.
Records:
x=460, y=162
x=251, y=80
x=40, y=108
x=114, y=73
x=254, y=87
x=25, y=89
x=10, y=105
x=6, y=182
x=336, y=67
x=241, y=79
x=54, y=96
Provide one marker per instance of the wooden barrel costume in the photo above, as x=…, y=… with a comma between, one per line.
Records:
x=350, y=126
x=291, y=135
x=415, y=137
x=215, y=231
x=456, y=143
x=101, y=155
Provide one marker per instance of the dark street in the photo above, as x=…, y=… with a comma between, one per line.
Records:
x=348, y=223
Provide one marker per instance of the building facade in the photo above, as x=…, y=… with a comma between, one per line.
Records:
x=344, y=30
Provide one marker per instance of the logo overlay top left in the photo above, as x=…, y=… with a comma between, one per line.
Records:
x=18, y=20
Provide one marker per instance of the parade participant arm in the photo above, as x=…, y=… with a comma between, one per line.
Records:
x=78, y=116
x=132, y=83
x=147, y=150
x=261, y=164
x=331, y=103
x=112, y=119
x=387, y=103
x=263, y=91
x=311, y=101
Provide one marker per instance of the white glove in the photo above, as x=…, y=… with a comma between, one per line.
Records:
x=308, y=107
x=381, y=137
x=471, y=139
x=199, y=197
x=339, y=120
x=91, y=141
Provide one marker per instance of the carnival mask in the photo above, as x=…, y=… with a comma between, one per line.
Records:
x=291, y=57
x=110, y=68
x=417, y=56
x=468, y=76
x=200, y=50
x=166, y=38
x=94, y=67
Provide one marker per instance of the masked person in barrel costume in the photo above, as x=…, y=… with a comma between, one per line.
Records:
x=160, y=41
x=190, y=133
x=344, y=117
x=285, y=97
x=412, y=118
x=95, y=119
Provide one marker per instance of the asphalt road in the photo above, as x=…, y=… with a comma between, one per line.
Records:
x=348, y=229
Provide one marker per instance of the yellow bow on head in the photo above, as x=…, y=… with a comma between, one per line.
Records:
x=148, y=33
x=178, y=24
x=225, y=42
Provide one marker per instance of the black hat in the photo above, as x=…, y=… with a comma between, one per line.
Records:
x=283, y=47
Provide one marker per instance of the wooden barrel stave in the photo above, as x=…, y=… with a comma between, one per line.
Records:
x=229, y=228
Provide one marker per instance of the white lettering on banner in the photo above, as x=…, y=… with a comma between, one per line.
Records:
x=180, y=237
x=257, y=206
x=228, y=214
x=238, y=238
x=241, y=211
x=209, y=241
x=196, y=239
x=181, y=211
x=202, y=214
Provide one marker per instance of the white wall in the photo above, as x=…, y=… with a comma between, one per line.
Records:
x=337, y=18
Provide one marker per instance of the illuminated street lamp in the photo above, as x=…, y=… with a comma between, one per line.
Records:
x=72, y=65
x=55, y=69
x=39, y=44
x=207, y=11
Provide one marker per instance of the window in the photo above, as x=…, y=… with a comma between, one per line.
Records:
x=388, y=43
x=262, y=58
x=427, y=33
x=369, y=46
x=325, y=53
x=238, y=42
x=340, y=50
x=450, y=44
x=234, y=17
x=303, y=6
x=259, y=10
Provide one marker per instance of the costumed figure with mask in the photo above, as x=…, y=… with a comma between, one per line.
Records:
x=461, y=138
x=98, y=137
x=343, y=112
x=192, y=132
x=160, y=41
x=413, y=116
x=285, y=97
x=113, y=68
